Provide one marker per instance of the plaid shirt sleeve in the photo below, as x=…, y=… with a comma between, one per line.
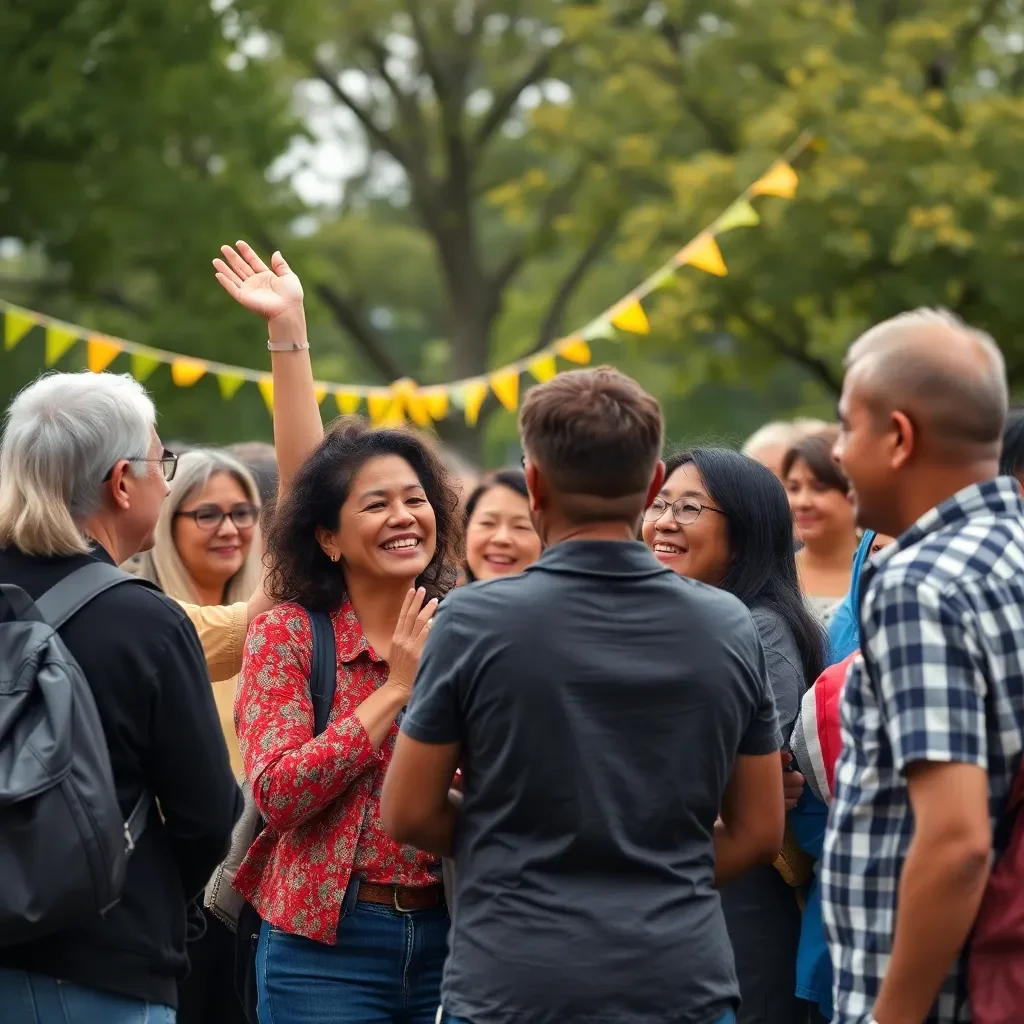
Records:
x=924, y=662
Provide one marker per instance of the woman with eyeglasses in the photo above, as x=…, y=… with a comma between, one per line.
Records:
x=207, y=552
x=723, y=519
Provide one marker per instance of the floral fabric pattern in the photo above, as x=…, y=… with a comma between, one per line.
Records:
x=319, y=796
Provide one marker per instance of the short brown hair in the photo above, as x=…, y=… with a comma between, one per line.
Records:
x=595, y=433
x=816, y=451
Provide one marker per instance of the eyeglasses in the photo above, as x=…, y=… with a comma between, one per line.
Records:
x=685, y=511
x=210, y=517
x=168, y=465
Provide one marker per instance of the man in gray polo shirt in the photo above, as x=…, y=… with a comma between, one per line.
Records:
x=617, y=740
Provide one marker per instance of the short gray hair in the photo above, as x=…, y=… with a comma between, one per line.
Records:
x=953, y=373
x=64, y=433
x=781, y=434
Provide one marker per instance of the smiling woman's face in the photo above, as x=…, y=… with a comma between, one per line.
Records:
x=500, y=539
x=699, y=550
x=819, y=510
x=212, y=557
x=386, y=527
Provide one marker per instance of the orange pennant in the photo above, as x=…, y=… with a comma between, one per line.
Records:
x=102, y=352
x=576, y=350
x=704, y=254
x=779, y=180
x=185, y=372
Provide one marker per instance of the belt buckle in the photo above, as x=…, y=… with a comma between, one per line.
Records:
x=398, y=906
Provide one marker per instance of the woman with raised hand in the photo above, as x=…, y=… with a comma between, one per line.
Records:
x=354, y=924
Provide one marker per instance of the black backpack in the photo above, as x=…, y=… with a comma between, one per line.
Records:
x=64, y=844
x=323, y=678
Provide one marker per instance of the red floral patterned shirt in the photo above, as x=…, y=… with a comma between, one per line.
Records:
x=320, y=796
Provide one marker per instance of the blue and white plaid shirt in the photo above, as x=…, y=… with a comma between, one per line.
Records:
x=940, y=678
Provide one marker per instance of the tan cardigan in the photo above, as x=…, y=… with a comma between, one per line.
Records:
x=221, y=630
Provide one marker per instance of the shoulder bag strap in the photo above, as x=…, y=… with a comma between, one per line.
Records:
x=323, y=676
x=68, y=597
x=61, y=603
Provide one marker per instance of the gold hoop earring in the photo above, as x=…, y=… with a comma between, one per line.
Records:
x=334, y=558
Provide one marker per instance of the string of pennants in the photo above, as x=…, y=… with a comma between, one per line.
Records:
x=405, y=399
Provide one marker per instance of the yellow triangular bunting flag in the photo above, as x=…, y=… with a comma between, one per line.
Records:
x=143, y=365
x=632, y=318
x=102, y=352
x=505, y=384
x=779, y=180
x=321, y=393
x=704, y=254
x=58, y=341
x=229, y=385
x=473, y=394
x=16, y=326
x=266, y=386
x=347, y=402
x=740, y=215
x=378, y=404
x=576, y=350
x=437, y=403
x=416, y=406
x=543, y=366
x=185, y=372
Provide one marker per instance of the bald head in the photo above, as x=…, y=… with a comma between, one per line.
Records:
x=950, y=379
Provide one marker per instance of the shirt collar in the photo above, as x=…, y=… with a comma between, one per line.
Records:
x=600, y=558
x=350, y=638
x=1000, y=496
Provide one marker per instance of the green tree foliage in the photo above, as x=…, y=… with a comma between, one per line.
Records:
x=507, y=169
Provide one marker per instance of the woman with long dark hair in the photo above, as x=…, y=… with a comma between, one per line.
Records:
x=354, y=924
x=723, y=519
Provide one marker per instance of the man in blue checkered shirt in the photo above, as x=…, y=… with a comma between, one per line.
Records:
x=933, y=709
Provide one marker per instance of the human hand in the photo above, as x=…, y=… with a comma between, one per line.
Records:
x=266, y=291
x=792, y=782
x=410, y=636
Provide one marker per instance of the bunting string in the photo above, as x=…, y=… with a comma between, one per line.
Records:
x=405, y=399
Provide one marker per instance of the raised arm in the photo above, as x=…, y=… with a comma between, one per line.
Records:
x=275, y=293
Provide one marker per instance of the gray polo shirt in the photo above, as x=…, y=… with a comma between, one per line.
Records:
x=600, y=701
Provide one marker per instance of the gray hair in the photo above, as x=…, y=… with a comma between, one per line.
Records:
x=953, y=373
x=782, y=434
x=64, y=433
x=162, y=564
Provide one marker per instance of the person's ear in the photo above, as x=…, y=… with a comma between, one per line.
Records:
x=118, y=483
x=657, y=481
x=903, y=439
x=328, y=543
x=536, y=486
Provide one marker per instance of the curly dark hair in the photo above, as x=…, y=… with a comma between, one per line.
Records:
x=298, y=568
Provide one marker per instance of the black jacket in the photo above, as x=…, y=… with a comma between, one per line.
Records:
x=142, y=659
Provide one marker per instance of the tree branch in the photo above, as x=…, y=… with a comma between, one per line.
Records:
x=551, y=325
x=362, y=334
x=817, y=366
x=382, y=138
x=502, y=105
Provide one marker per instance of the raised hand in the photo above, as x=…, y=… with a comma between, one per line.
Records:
x=410, y=636
x=267, y=291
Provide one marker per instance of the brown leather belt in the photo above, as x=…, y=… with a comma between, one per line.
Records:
x=402, y=897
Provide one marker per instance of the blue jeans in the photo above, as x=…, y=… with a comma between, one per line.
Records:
x=729, y=1018
x=36, y=999
x=385, y=969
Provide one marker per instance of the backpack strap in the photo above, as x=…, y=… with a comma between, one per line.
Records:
x=57, y=607
x=323, y=676
x=68, y=597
